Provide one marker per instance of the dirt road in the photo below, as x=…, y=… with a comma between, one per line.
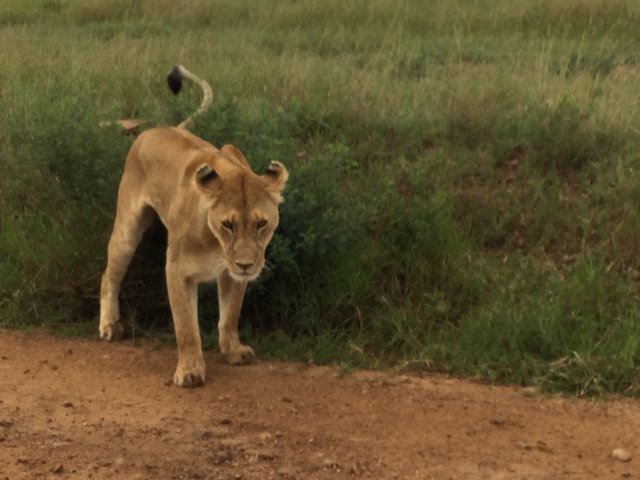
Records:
x=73, y=409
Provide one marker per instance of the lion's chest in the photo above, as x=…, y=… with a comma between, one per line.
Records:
x=205, y=270
x=198, y=265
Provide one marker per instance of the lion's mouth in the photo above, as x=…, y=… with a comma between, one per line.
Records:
x=244, y=276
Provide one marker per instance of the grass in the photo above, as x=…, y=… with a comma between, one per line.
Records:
x=464, y=192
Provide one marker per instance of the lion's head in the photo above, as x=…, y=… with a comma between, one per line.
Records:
x=242, y=211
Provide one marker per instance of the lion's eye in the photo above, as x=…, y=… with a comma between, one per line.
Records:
x=228, y=225
x=261, y=224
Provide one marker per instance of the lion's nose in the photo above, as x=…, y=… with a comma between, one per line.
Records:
x=244, y=264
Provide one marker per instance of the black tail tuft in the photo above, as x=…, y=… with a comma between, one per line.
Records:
x=174, y=79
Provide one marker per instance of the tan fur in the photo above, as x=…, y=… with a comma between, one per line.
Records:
x=219, y=215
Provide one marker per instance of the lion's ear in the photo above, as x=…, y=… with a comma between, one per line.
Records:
x=205, y=174
x=234, y=152
x=276, y=177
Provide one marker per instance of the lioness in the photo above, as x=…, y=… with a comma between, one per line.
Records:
x=219, y=216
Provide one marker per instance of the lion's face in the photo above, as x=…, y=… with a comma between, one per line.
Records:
x=244, y=223
x=243, y=213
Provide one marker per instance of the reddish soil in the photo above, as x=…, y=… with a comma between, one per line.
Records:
x=73, y=409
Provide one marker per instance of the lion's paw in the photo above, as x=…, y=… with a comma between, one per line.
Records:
x=111, y=332
x=242, y=355
x=189, y=377
x=189, y=380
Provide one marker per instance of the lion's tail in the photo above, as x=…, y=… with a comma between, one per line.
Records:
x=174, y=79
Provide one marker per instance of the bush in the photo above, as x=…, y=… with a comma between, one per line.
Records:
x=563, y=137
x=463, y=195
x=63, y=167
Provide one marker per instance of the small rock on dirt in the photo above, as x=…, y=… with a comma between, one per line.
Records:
x=222, y=456
x=6, y=423
x=287, y=473
x=621, y=454
x=539, y=445
x=58, y=469
x=265, y=455
x=498, y=422
x=330, y=463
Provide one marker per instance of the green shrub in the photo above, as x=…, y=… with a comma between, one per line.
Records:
x=564, y=137
x=464, y=185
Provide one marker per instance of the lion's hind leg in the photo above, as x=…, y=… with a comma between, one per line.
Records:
x=128, y=228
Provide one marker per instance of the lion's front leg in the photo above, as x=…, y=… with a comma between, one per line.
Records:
x=183, y=298
x=230, y=297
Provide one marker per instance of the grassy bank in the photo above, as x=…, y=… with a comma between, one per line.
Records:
x=464, y=192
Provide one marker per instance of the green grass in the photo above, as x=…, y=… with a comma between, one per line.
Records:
x=464, y=192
